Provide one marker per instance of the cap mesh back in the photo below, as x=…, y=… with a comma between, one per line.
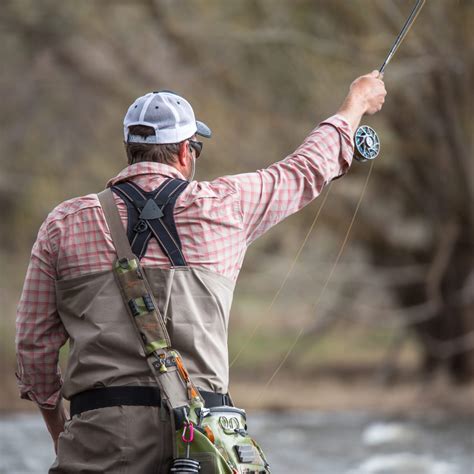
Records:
x=170, y=115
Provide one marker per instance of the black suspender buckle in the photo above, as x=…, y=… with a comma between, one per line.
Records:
x=141, y=226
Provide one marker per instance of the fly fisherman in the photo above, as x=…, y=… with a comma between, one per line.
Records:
x=189, y=239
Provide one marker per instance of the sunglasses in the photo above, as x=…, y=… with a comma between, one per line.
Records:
x=196, y=146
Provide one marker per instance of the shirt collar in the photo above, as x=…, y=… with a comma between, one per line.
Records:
x=143, y=168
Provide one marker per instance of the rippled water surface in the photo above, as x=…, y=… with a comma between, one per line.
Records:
x=307, y=442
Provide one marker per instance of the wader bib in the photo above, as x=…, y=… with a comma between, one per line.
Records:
x=120, y=376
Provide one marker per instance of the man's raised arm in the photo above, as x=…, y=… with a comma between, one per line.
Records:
x=270, y=195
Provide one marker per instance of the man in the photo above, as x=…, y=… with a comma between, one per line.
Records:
x=67, y=295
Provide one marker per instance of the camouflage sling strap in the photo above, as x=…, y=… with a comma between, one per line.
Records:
x=165, y=363
x=216, y=437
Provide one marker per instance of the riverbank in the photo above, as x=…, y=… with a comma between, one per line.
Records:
x=407, y=397
x=342, y=392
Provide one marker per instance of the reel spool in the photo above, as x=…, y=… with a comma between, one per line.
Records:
x=366, y=144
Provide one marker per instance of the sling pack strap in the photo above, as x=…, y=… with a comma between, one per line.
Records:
x=134, y=286
x=150, y=214
x=165, y=363
x=112, y=217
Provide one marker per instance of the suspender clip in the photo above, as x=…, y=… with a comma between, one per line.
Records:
x=141, y=226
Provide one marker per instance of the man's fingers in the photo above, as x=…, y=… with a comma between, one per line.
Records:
x=377, y=74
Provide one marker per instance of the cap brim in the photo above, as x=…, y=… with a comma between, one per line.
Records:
x=203, y=129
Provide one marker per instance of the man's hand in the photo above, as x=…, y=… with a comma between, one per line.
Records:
x=366, y=96
x=368, y=92
x=55, y=420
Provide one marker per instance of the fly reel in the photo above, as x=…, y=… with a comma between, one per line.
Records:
x=366, y=144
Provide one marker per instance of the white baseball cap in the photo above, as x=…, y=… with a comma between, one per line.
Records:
x=170, y=115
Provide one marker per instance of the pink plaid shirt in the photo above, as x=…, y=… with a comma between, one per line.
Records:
x=216, y=221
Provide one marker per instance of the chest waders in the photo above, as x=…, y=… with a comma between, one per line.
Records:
x=209, y=440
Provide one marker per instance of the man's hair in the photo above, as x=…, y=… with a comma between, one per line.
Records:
x=138, y=152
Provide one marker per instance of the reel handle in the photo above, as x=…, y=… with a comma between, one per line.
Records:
x=366, y=144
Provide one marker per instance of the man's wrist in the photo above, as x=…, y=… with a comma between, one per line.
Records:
x=352, y=110
x=55, y=418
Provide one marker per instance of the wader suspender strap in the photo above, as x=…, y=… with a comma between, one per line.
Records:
x=166, y=365
x=151, y=214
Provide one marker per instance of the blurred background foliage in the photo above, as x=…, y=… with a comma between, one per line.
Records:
x=263, y=73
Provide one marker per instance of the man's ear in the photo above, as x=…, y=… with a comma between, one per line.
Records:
x=183, y=151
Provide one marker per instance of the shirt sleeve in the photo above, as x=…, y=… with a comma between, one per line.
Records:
x=39, y=330
x=270, y=195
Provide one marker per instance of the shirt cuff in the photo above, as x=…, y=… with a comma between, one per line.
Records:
x=346, y=135
x=27, y=393
x=341, y=122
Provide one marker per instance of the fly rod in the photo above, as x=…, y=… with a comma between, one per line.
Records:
x=366, y=140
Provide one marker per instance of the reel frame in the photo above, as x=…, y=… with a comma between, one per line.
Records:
x=366, y=144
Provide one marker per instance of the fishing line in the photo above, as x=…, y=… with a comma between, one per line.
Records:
x=367, y=147
x=315, y=304
x=287, y=276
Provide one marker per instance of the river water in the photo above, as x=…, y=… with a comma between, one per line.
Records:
x=304, y=442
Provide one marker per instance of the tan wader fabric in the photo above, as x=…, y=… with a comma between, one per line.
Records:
x=123, y=439
x=104, y=348
x=105, y=351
